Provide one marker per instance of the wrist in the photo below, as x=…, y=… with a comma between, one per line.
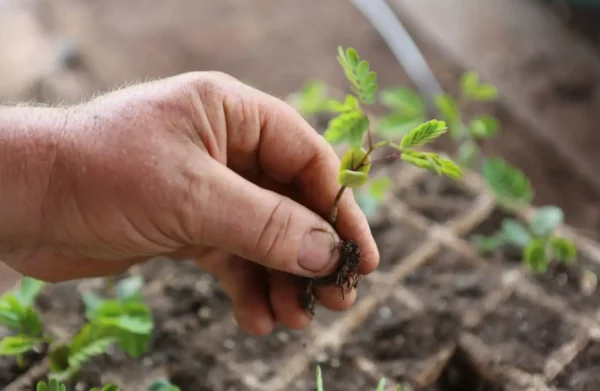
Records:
x=29, y=145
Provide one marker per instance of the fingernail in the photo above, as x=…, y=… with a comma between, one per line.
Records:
x=318, y=250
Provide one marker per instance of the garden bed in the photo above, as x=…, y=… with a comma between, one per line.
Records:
x=410, y=323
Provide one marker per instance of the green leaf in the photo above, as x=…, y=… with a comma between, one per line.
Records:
x=507, y=182
x=347, y=127
x=563, y=250
x=484, y=127
x=28, y=290
x=450, y=112
x=319, y=379
x=515, y=233
x=134, y=317
x=31, y=324
x=129, y=288
x=398, y=124
x=362, y=80
x=424, y=134
x=487, y=244
x=546, y=220
x=52, y=385
x=16, y=345
x=467, y=153
x=134, y=344
x=403, y=100
x=474, y=89
x=381, y=385
x=84, y=353
x=92, y=302
x=432, y=162
x=10, y=319
x=379, y=186
x=162, y=385
x=350, y=175
x=535, y=256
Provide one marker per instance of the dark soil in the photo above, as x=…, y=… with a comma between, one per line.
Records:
x=400, y=342
x=573, y=284
x=524, y=334
x=461, y=374
x=438, y=198
x=395, y=241
x=448, y=283
x=583, y=374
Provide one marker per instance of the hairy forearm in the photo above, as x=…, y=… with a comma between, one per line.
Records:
x=29, y=141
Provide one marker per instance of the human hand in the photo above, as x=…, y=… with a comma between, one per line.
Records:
x=194, y=166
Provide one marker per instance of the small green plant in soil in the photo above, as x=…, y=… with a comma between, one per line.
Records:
x=539, y=244
x=352, y=126
x=124, y=320
x=380, y=385
x=537, y=238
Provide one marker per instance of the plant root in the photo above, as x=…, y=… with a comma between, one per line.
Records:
x=346, y=277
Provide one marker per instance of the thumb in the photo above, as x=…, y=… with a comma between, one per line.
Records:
x=265, y=227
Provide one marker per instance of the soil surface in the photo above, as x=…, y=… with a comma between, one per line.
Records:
x=412, y=332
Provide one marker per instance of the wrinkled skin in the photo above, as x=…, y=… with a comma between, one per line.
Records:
x=194, y=166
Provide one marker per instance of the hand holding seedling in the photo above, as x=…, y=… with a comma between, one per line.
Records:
x=198, y=165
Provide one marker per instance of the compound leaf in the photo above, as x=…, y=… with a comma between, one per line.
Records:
x=484, y=127
x=347, y=127
x=424, y=133
x=359, y=74
x=474, y=89
x=507, y=182
x=546, y=220
x=432, y=162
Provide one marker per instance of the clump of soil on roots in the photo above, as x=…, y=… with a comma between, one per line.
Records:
x=346, y=277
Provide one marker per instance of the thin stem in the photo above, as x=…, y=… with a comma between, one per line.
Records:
x=334, y=210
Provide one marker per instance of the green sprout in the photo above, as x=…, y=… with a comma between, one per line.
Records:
x=125, y=321
x=352, y=125
x=380, y=385
x=536, y=238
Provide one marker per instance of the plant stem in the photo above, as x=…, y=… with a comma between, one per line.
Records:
x=334, y=210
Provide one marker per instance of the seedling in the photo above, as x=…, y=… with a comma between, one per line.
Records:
x=125, y=321
x=352, y=127
x=380, y=384
x=537, y=238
